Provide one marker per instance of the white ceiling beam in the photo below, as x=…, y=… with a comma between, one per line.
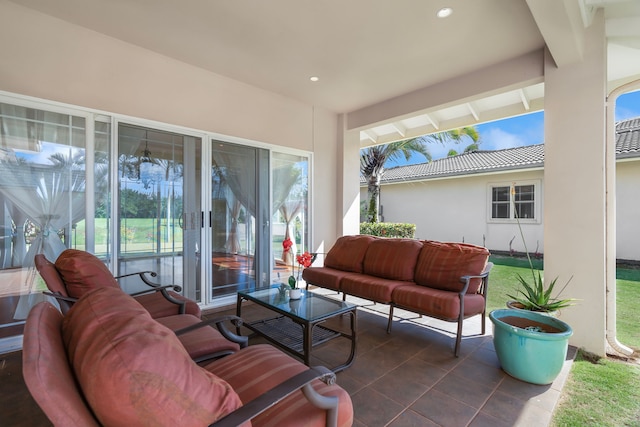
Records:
x=473, y=111
x=525, y=99
x=401, y=130
x=433, y=121
x=369, y=136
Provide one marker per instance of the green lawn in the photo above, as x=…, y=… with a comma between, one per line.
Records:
x=604, y=392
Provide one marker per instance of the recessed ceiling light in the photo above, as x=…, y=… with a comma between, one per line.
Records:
x=314, y=78
x=444, y=12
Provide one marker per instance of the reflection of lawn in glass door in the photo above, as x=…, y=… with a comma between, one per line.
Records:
x=138, y=235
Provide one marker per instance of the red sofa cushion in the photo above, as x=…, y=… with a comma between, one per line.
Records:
x=372, y=288
x=393, y=259
x=82, y=272
x=348, y=253
x=437, y=303
x=328, y=278
x=442, y=264
x=134, y=371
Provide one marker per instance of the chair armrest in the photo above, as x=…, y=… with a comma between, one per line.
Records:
x=65, y=303
x=143, y=277
x=272, y=397
x=219, y=324
x=155, y=287
x=60, y=297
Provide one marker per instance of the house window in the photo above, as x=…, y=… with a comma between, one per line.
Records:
x=511, y=201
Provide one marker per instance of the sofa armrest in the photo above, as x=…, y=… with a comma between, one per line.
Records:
x=218, y=322
x=484, y=276
x=272, y=397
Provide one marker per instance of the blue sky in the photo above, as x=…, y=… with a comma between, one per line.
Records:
x=519, y=131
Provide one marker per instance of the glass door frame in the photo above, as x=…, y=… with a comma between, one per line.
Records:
x=114, y=236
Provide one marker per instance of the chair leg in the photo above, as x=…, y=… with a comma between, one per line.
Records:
x=458, y=338
x=390, y=319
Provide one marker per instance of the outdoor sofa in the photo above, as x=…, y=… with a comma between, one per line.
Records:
x=444, y=280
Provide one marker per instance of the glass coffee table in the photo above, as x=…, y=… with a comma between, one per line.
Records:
x=297, y=325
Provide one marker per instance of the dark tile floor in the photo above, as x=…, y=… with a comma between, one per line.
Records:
x=411, y=377
x=407, y=378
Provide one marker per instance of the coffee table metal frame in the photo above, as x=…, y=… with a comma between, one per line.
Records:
x=297, y=327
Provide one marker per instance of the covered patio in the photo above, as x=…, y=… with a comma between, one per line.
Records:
x=327, y=79
x=408, y=378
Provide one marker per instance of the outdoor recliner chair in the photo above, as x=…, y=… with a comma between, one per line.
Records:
x=111, y=364
x=203, y=340
x=75, y=272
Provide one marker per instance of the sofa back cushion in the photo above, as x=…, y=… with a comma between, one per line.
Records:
x=348, y=252
x=393, y=259
x=442, y=264
x=82, y=272
x=134, y=371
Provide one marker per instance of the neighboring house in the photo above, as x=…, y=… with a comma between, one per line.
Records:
x=473, y=197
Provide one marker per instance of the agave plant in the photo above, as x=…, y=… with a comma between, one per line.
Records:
x=534, y=296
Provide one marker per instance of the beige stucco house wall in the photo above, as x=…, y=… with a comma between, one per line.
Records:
x=458, y=209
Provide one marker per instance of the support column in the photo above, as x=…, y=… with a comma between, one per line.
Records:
x=350, y=180
x=575, y=196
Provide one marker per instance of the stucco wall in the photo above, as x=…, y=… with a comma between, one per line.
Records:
x=628, y=210
x=456, y=209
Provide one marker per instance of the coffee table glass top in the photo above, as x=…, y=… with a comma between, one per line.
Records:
x=309, y=307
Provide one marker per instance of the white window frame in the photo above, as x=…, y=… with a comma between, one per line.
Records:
x=537, y=201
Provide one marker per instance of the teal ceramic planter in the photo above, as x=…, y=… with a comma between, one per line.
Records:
x=528, y=354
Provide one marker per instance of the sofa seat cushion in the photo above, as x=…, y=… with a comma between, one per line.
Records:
x=158, y=306
x=348, y=253
x=82, y=272
x=327, y=277
x=437, y=303
x=442, y=264
x=134, y=371
x=205, y=341
x=369, y=287
x=393, y=259
x=257, y=368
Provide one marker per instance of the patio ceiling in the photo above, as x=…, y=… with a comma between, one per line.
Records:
x=366, y=52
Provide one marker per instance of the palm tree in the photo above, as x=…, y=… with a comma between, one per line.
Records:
x=373, y=159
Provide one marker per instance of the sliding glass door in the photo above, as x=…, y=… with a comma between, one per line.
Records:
x=158, y=211
x=239, y=221
x=206, y=214
x=43, y=200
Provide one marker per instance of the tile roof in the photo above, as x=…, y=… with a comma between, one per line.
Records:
x=528, y=157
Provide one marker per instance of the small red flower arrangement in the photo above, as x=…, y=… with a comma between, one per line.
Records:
x=305, y=260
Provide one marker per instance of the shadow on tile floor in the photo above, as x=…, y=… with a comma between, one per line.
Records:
x=412, y=378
